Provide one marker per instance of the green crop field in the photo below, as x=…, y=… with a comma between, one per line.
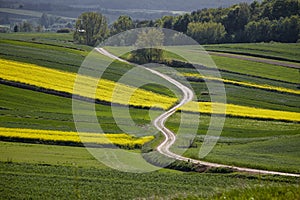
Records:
x=245, y=67
x=285, y=52
x=65, y=182
x=34, y=169
x=23, y=12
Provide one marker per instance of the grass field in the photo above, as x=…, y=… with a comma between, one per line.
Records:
x=22, y=108
x=244, y=84
x=42, y=54
x=279, y=51
x=106, y=90
x=23, y=12
x=109, y=91
x=235, y=65
x=71, y=172
x=31, y=171
x=252, y=143
x=246, y=74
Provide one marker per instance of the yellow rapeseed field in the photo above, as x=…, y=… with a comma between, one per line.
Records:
x=252, y=85
x=241, y=111
x=64, y=82
x=63, y=136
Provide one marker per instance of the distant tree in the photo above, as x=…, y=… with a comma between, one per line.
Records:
x=69, y=25
x=265, y=30
x=236, y=19
x=151, y=23
x=123, y=23
x=153, y=39
x=284, y=8
x=45, y=21
x=289, y=29
x=262, y=20
x=167, y=22
x=181, y=22
x=207, y=32
x=16, y=28
x=275, y=9
x=204, y=15
x=52, y=19
x=39, y=28
x=142, y=24
x=91, y=28
x=255, y=10
x=259, y=31
x=26, y=27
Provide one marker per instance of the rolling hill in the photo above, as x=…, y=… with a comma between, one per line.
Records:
x=38, y=131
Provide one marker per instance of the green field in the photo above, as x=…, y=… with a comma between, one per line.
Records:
x=71, y=172
x=255, y=97
x=278, y=51
x=89, y=183
x=233, y=65
x=29, y=13
x=35, y=170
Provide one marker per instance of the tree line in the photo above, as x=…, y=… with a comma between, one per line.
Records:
x=43, y=23
x=270, y=20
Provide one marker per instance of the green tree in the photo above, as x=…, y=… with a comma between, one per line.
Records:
x=276, y=9
x=207, y=32
x=289, y=29
x=45, y=21
x=236, y=19
x=16, y=28
x=167, y=22
x=39, y=28
x=152, y=39
x=181, y=22
x=91, y=28
x=265, y=30
x=123, y=23
x=144, y=23
x=285, y=8
x=26, y=27
x=255, y=10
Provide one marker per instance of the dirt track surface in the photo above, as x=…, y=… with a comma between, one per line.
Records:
x=170, y=137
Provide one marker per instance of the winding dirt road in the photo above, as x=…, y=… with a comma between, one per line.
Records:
x=170, y=137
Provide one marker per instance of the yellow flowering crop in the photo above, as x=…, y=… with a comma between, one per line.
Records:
x=106, y=90
x=63, y=136
x=253, y=85
x=240, y=111
x=64, y=81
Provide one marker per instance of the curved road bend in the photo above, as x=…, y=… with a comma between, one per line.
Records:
x=170, y=138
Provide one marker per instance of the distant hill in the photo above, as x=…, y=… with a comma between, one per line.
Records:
x=171, y=5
